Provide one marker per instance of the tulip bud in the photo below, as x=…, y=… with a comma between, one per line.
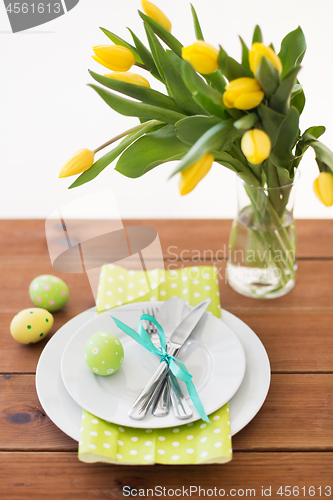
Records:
x=243, y=93
x=129, y=78
x=114, y=57
x=155, y=13
x=79, y=162
x=202, y=56
x=258, y=50
x=323, y=188
x=256, y=146
x=192, y=175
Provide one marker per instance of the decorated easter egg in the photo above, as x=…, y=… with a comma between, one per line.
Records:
x=31, y=325
x=49, y=292
x=104, y=353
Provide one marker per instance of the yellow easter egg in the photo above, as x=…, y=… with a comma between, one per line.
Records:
x=31, y=325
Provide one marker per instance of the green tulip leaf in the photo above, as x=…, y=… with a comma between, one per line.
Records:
x=171, y=65
x=229, y=67
x=271, y=121
x=245, y=58
x=272, y=180
x=191, y=128
x=156, y=49
x=292, y=50
x=278, y=177
x=310, y=134
x=213, y=139
x=257, y=35
x=281, y=154
x=246, y=122
x=298, y=101
x=268, y=77
x=321, y=166
x=138, y=109
x=103, y=162
x=197, y=28
x=234, y=70
x=150, y=151
x=313, y=133
x=222, y=59
x=203, y=94
x=323, y=153
x=163, y=34
x=144, y=94
x=119, y=41
x=146, y=56
x=280, y=101
x=217, y=81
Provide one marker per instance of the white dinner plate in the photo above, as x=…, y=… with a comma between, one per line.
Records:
x=66, y=413
x=212, y=354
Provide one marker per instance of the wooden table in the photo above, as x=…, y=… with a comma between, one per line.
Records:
x=289, y=442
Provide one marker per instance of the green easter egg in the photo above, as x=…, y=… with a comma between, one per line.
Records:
x=31, y=325
x=104, y=353
x=49, y=292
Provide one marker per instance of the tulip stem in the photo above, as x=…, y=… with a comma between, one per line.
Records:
x=140, y=65
x=124, y=134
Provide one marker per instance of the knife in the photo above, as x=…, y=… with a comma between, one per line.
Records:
x=176, y=341
x=169, y=315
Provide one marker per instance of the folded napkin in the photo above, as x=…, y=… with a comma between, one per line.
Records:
x=193, y=443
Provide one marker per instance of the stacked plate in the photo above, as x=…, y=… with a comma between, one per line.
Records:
x=226, y=358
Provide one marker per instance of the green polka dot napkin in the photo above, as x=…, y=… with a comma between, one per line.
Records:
x=194, y=443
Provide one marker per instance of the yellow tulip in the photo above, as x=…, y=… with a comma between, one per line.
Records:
x=202, y=56
x=79, y=162
x=256, y=146
x=155, y=13
x=243, y=93
x=323, y=188
x=129, y=78
x=258, y=50
x=191, y=176
x=114, y=57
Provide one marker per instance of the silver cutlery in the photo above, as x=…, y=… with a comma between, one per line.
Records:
x=176, y=341
x=170, y=387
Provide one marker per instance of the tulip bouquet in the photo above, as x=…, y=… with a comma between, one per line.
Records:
x=241, y=115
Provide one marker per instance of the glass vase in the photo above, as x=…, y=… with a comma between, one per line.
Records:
x=262, y=245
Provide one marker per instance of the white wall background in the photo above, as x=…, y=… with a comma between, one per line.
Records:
x=47, y=112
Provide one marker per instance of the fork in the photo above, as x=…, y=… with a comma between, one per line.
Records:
x=170, y=386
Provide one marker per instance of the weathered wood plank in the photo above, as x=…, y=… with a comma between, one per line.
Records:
x=313, y=290
x=40, y=476
x=24, y=424
x=297, y=415
x=16, y=278
x=297, y=341
x=25, y=239
x=21, y=358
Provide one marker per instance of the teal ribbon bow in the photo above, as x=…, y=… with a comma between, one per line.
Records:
x=176, y=366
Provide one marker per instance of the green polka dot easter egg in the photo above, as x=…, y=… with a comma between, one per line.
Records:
x=31, y=325
x=104, y=353
x=49, y=292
